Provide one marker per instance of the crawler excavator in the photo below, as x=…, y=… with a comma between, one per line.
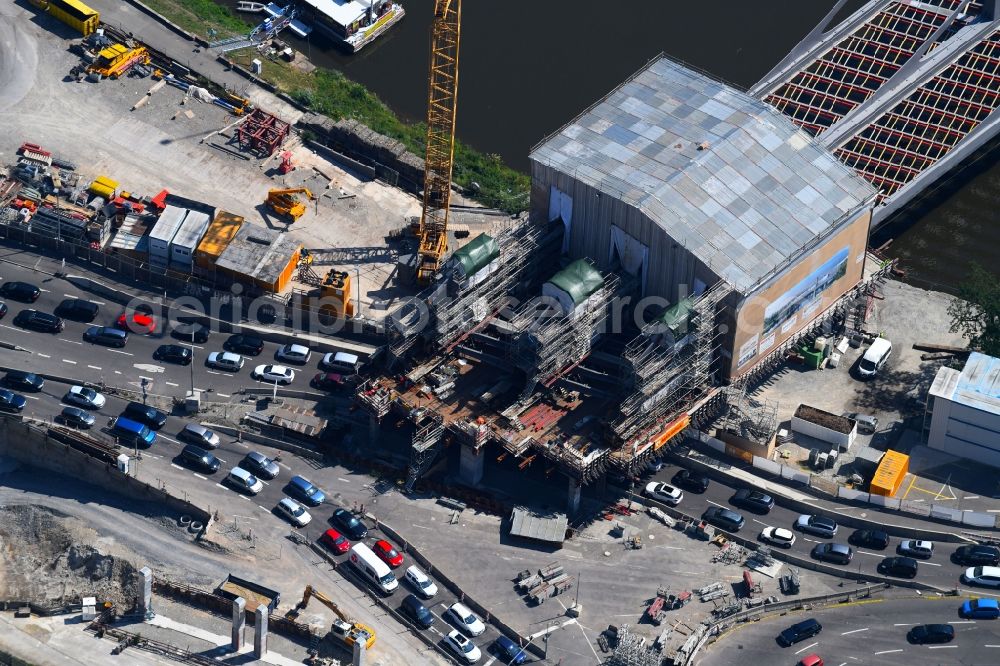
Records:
x=284, y=202
x=344, y=628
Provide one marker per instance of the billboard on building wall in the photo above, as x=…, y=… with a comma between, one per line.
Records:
x=807, y=292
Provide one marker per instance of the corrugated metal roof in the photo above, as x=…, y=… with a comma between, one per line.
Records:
x=543, y=527
x=258, y=252
x=220, y=233
x=979, y=385
x=189, y=234
x=724, y=174
x=167, y=225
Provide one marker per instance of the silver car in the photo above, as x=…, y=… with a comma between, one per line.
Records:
x=225, y=361
x=199, y=435
x=292, y=353
x=294, y=512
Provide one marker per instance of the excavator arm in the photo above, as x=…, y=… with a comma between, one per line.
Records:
x=346, y=628
x=442, y=100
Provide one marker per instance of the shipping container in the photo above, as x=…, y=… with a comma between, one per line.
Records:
x=890, y=474
x=162, y=235
x=73, y=13
x=187, y=238
x=220, y=233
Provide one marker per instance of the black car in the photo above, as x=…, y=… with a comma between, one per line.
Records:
x=20, y=291
x=3, y=309
x=752, y=500
x=414, y=609
x=902, y=567
x=11, y=402
x=43, y=322
x=800, y=632
x=726, y=519
x=199, y=458
x=260, y=465
x=23, y=381
x=931, y=633
x=977, y=555
x=349, y=524
x=77, y=418
x=837, y=553
x=696, y=482
x=251, y=345
x=875, y=539
x=78, y=309
x=191, y=332
x=150, y=416
x=173, y=354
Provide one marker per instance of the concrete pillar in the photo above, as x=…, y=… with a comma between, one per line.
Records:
x=145, y=585
x=360, y=651
x=470, y=466
x=575, y=488
x=239, y=621
x=260, y=617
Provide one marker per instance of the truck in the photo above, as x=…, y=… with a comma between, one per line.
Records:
x=347, y=630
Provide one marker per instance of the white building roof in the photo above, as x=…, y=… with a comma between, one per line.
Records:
x=167, y=225
x=344, y=12
x=977, y=386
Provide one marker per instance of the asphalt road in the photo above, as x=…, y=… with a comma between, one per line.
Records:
x=869, y=632
x=938, y=570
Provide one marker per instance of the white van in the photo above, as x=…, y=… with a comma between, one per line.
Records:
x=373, y=569
x=875, y=358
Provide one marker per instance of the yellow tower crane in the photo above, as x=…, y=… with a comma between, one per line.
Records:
x=442, y=99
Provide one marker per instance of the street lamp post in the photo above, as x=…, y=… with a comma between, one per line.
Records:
x=191, y=365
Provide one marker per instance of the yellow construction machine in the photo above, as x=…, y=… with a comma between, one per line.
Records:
x=117, y=59
x=284, y=202
x=344, y=628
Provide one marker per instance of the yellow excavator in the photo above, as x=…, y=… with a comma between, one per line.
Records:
x=284, y=202
x=344, y=628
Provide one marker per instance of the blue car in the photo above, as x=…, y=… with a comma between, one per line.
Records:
x=11, y=402
x=303, y=489
x=981, y=609
x=509, y=650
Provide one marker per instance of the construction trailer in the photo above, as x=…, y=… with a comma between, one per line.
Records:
x=261, y=257
x=73, y=13
x=217, y=237
x=187, y=239
x=163, y=233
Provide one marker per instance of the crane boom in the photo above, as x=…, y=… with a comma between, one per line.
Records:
x=442, y=101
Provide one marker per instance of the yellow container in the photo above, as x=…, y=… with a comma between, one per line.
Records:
x=72, y=13
x=104, y=187
x=890, y=474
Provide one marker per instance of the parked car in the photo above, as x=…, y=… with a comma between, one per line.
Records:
x=20, y=291
x=800, y=632
x=385, y=552
x=867, y=423
x=335, y=541
x=12, y=402
x=260, y=465
x=200, y=459
x=349, y=524
x=778, y=536
x=145, y=414
x=105, y=335
x=191, y=332
x=980, y=609
x=294, y=512
x=327, y=381
x=982, y=576
x=811, y=660
x=244, y=481
x=84, y=397
x=931, y=633
x=694, y=481
x=752, y=500
x=3, y=309
x=274, y=374
x=726, y=519
x=303, y=488
x=420, y=582
x=874, y=539
x=173, y=354
x=78, y=309
x=465, y=619
x=292, y=353
x=77, y=418
x=664, y=492
x=227, y=361
x=23, y=381
x=199, y=435
x=837, y=553
x=919, y=549
x=901, y=567
x=464, y=648
x=875, y=358
x=509, y=651
x=136, y=322
x=42, y=322
x=414, y=609
x=242, y=343
x=820, y=526
x=977, y=554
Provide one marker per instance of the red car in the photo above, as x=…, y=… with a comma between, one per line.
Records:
x=136, y=322
x=335, y=541
x=387, y=553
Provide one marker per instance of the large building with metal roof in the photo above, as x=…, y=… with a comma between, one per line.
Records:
x=684, y=182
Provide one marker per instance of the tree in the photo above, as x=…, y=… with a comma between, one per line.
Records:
x=976, y=312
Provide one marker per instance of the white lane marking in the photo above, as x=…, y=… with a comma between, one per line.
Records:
x=888, y=651
x=94, y=367
x=118, y=372
x=221, y=460
x=66, y=360
x=808, y=647
x=246, y=498
x=72, y=342
x=31, y=397
x=69, y=296
x=170, y=384
x=548, y=630
x=420, y=526
x=169, y=439
x=223, y=395
x=42, y=355
x=940, y=647
x=213, y=372
x=264, y=482
x=177, y=466
x=905, y=624
x=340, y=478
x=715, y=503
x=283, y=465
x=963, y=622
x=119, y=351
x=45, y=290
x=855, y=631
x=221, y=486
x=200, y=476
x=263, y=507
x=96, y=302
x=492, y=659
x=971, y=497
x=759, y=522
x=811, y=540
x=864, y=552
x=993, y=646
x=930, y=564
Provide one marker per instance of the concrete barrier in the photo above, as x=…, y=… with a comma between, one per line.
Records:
x=279, y=444
x=979, y=519
x=162, y=402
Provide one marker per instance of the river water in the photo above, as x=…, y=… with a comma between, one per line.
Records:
x=529, y=66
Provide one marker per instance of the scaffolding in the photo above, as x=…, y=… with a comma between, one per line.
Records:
x=749, y=418
x=374, y=398
x=633, y=650
x=425, y=444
